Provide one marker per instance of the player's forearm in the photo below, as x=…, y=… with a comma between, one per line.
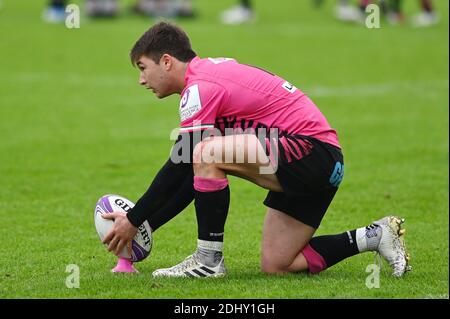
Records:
x=166, y=183
x=174, y=182
x=175, y=205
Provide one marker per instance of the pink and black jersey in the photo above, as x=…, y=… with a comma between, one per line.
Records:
x=222, y=93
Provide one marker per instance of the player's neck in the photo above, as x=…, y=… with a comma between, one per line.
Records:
x=182, y=74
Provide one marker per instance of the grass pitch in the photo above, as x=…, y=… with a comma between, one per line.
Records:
x=76, y=125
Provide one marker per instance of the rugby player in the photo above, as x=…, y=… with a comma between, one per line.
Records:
x=279, y=141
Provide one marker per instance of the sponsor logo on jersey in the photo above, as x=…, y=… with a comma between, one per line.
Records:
x=185, y=99
x=190, y=103
x=289, y=87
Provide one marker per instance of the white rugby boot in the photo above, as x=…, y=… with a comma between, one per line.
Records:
x=425, y=19
x=391, y=245
x=349, y=13
x=191, y=266
x=238, y=14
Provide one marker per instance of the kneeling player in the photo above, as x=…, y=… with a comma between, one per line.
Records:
x=280, y=141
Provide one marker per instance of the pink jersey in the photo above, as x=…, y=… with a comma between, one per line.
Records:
x=220, y=93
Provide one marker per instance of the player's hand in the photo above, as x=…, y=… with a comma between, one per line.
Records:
x=121, y=234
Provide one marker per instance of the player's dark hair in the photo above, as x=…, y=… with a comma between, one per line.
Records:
x=160, y=39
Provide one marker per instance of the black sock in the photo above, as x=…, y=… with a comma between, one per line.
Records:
x=246, y=4
x=57, y=3
x=395, y=6
x=212, y=210
x=335, y=248
x=427, y=6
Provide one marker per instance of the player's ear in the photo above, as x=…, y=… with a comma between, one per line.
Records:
x=166, y=61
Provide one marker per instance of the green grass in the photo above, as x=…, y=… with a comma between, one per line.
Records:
x=74, y=125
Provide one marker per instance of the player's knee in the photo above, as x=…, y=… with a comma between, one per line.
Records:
x=197, y=154
x=272, y=268
x=270, y=265
x=205, y=152
x=204, y=161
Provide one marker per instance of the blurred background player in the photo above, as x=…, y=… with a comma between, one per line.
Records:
x=427, y=17
x=394, y=13
x=165, y=8
x=240, y=13
x=55, y=11
x=345, y=11
x=392, y=9
x=101, y=8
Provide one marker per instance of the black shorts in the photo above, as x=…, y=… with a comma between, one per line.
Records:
x=309, y=183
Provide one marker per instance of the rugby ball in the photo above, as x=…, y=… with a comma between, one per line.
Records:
x=142, y=242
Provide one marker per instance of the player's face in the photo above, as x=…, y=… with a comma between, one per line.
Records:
x=154, y=77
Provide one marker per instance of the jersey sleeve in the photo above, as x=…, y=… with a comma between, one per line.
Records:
x=171, y=184
x=200, y=104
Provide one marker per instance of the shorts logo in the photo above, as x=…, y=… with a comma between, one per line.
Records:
x=338, y=174
x=190, y=102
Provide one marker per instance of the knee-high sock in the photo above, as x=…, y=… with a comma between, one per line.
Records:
x=395, y=6
x=363, y=4
x=58, y=3
x=427, y=6
x=212, y=199
x=325, y=251
x=246, y=3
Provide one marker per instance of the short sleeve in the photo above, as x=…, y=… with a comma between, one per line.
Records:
x=200, y=104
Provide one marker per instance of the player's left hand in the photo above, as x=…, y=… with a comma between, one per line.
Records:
x=121, y=234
